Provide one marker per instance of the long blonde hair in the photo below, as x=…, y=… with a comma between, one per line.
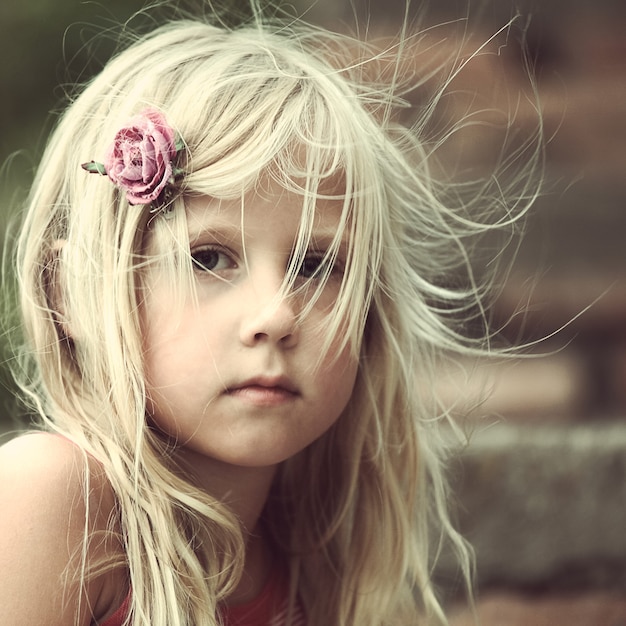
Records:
x=358, y=512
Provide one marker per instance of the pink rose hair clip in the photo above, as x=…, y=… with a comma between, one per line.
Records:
x=141, y=160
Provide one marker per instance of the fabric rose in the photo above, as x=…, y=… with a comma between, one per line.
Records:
x=140, y=158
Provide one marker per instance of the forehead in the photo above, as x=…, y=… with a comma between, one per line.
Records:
x=257, y=212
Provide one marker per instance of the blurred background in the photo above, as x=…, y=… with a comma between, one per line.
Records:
x=542, y=485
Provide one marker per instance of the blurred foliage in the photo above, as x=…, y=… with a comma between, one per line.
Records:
x=50, y=46
x=41, y=38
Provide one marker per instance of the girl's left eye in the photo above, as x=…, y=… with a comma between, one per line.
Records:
x=316, y=266
x=211, y=259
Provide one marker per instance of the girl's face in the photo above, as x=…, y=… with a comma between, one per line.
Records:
x=233, y=374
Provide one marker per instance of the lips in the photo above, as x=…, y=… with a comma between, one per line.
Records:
x=265, y=390
x=267, y=382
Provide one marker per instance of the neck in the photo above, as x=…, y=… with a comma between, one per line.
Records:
x=244, y=490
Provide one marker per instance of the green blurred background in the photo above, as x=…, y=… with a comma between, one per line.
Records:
x=48, y=46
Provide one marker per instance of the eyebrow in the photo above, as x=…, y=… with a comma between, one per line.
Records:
x=325, y=237
x=213, y=225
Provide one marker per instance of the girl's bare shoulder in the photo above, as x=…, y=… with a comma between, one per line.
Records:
x=44, y=513
x=41, y=468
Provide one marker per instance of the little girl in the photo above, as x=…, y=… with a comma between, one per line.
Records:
x=235, y=278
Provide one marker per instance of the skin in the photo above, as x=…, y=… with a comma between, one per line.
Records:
x=41, y=529
x=231, y=378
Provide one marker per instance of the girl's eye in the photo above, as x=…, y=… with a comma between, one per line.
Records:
x=210, y=259
x=315, y=266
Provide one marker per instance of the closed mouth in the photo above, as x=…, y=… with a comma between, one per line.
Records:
x=278, y=384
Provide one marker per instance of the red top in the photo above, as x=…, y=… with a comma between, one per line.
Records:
x=117, y=619
x=269, y=608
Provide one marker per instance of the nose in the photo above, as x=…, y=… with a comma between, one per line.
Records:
x=269, y=318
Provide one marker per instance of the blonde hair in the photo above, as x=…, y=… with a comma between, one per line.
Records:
x=307, y=109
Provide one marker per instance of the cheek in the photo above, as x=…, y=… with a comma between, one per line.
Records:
x=337, y=381
x=166, y=355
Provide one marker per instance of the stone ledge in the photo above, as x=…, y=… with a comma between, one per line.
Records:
x=514, y=609
x=545, y=506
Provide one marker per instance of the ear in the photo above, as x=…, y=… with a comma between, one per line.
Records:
x=55, y=289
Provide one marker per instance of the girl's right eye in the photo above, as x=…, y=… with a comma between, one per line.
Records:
x=211, y=259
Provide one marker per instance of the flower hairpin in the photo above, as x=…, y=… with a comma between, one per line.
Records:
x=141, y=160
